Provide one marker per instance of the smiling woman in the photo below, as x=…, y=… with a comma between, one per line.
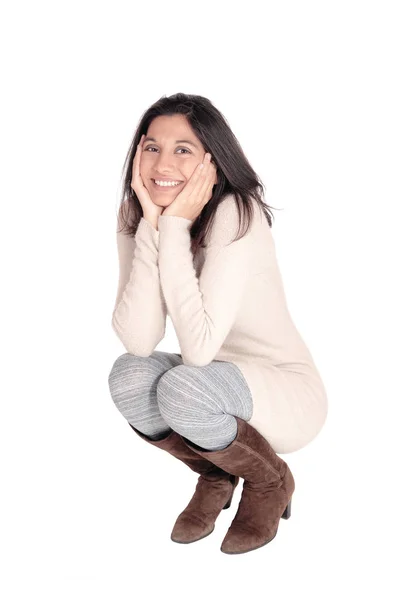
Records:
x=165, y=163
x=162, y=170
x=245, y=385
x=174, y=135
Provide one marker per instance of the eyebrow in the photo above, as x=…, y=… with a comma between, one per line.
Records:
x=151, y=139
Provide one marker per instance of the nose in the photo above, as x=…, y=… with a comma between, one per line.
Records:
x=164, y=162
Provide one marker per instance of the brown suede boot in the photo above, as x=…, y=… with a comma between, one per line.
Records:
x=267, y=489
x=214, y=490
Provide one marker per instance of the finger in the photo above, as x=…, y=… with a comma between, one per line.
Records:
x=199, y=172
x=206, y=173
x=207, y=185
x=200, y=177
x=192, y=185
x=139, y=148
x=137, y=159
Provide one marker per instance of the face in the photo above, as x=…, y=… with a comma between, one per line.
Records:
x=167, y=157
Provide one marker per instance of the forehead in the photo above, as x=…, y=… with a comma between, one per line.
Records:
x=171, y=126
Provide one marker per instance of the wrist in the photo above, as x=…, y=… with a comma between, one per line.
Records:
x=152, y=221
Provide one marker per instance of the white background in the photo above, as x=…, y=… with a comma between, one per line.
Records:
x=312, y=90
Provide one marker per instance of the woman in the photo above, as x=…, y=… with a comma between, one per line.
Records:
x=245, y=386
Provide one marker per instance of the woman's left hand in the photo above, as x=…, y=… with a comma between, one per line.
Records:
x=196, y=193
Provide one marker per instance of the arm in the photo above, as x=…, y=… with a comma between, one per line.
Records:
x=203, y=311
x=139, y=315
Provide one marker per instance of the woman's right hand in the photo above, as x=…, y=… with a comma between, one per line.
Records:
x=150, y=210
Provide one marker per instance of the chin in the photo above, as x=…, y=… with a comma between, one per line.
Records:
x=162, y=201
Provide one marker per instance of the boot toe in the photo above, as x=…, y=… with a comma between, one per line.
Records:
x=189, y=528
x=243, y=539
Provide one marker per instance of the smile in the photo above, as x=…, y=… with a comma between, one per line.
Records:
x=166, y=183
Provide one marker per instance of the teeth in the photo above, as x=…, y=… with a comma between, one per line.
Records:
x=167, y=183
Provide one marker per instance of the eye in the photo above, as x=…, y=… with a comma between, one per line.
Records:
x=153, y=148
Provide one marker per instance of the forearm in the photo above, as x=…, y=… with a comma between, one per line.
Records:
x=152, y=220
x=140, y=311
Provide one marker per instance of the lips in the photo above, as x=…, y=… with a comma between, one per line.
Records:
x=164, y=188
x=165, y=179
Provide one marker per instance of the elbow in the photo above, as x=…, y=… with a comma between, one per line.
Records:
x=134, y=344
x=197, y=360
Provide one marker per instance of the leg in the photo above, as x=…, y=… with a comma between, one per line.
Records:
x=201, y=403
x=132, y=383
x=267, y=489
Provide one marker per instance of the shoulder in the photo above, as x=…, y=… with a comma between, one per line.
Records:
x=229, y=217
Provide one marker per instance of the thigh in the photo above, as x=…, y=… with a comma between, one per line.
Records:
x=157, y=363
x=130, y=372
x=219, y=387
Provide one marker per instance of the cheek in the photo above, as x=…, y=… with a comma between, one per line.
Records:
x=145, y=168
x=146, y=159
x=190, y=166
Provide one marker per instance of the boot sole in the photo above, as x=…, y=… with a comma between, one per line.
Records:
x=251, y=549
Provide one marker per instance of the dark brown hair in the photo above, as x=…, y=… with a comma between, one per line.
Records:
x=234, y=172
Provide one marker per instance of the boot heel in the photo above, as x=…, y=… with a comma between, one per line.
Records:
x=287, y=512
x=229, y=502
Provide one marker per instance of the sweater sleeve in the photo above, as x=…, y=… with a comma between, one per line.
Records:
x=139, y=315
x=203, y=310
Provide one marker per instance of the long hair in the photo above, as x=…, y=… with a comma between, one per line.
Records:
x=234, y=173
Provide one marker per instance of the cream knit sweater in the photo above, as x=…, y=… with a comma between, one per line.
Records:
x=227, y=303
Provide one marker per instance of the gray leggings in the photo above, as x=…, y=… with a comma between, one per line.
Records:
x=158, y=393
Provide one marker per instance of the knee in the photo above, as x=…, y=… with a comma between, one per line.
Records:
x=164, y=391
x=172, y=395
x=119, y=365
x=123, y=374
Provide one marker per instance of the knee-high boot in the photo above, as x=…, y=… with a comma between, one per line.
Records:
x=267, y=489
x=214, y=489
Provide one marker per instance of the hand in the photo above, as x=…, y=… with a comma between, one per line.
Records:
x=196, y=193
x=151, y=210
